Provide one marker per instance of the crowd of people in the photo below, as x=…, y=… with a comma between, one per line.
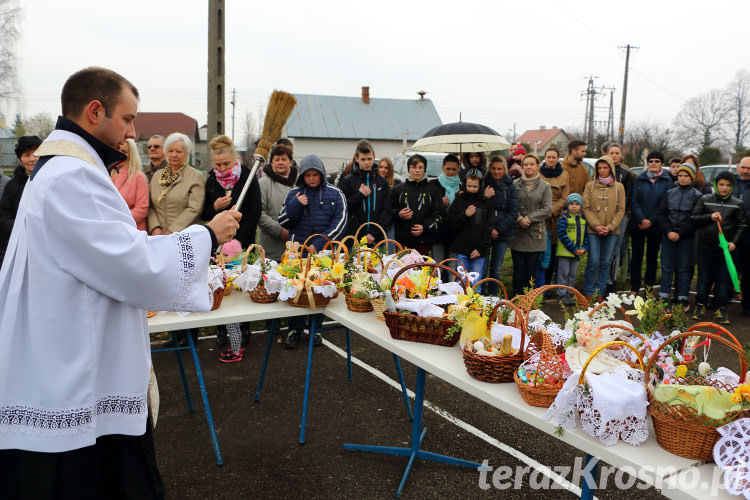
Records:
x=548, y=211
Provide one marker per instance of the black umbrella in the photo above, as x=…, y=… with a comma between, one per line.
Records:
x=461, y=136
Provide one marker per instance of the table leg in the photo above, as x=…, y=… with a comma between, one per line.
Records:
x=348, y=355
x=271, y=333
x=177, y=350
x=206, y=405
x=313, y=321
x=414, y=451
x=397, y=362
x=588, y=481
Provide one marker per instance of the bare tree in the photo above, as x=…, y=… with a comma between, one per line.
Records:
x=644, y=137
x=248, y=130
x=41, y=124
x=10, y=18
x=738, y=110
x=700, y=120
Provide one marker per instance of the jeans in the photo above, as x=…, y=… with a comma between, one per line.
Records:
x=524, y=269
x=391, y=236
x=599, y=260
x=712, y=271
x=495, y=264
x=472, y=266
x=676, y=257
x=567, y=270
x=619, y=251
x=638, y=239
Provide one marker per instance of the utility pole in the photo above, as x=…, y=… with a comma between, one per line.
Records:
x=588, y=127
x=611, y=117
x=621, y=136
x=215, y=89
x=233, y=102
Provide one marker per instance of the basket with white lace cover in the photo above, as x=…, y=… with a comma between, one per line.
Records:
x=261, y=280
x=611, y=405
x=217, y=281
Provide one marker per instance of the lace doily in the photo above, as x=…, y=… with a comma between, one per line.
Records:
x=732, y=455
x=288, y=291
x=498, y=332
x=215, y=278
x=424, y=307
x=249, y=279
x=725, y=376
x=611, y=406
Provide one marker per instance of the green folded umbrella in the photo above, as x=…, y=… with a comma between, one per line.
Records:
x=724, y=245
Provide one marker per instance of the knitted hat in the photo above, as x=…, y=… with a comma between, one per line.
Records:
x=25, y=143
x=519, y=150
x=574, y=197
x=688, y=169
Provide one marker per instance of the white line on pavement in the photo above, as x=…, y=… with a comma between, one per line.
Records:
x=543, y=469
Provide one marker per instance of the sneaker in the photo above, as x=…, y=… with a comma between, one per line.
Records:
x=229, y=352
x=721, y=316
x=318, y=339
x=292, y=339
x=699, y=312
x=232, y=357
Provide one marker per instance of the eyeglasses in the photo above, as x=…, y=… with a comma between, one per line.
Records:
x=654, y=161
x=153, y=146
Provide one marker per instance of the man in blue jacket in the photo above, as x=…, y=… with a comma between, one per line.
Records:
x=743, y=192
x=650, y=188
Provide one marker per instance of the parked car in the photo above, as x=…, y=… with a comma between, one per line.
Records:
x=711, y=171
x=434, y=164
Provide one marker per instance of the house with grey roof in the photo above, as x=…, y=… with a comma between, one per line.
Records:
x=331, y=126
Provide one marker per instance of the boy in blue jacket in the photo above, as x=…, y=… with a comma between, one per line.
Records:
x=314, y=206
x=572, y=242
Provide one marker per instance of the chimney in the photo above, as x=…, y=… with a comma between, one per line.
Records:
x=422, y=93
x=542, y=127
x=2, y=122
x=366, y=95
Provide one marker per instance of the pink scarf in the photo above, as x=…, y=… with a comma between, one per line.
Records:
x=607, y=180
x=229, y=178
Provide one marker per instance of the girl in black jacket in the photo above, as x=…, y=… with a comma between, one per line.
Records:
x=471, y=219
x=11, y=197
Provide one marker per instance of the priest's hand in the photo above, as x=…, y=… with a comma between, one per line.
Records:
x=225, y=225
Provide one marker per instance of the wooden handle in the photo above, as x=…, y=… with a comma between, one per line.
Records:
x=398, y=245
x=519, y=318
x=424, y=264
x=356, y=233
x=493, y=280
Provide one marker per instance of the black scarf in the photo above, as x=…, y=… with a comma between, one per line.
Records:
x=286, y=181
x=551, y=172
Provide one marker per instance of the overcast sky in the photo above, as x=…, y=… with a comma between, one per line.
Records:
x=496, y=62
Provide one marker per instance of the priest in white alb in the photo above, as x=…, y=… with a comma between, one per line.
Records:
x=77, y=276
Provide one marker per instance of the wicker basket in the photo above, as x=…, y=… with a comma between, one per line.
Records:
x=420, y=328
x=259, y=294
x=378, y=305
x=541, y=394
x=357, y=304
x=497, y=369
x=302, y=299
x=702, y=327
x=219, y=292
x=679, y=429
x=527, y=302
x=357, y=236
x=382, y=242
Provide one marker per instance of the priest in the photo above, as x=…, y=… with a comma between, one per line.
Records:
x=77, y=276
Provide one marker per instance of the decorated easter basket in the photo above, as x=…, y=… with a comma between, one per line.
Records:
x=497, y=369
x=404, y=326
x=339, y=254
x=307, y=296
x=679, y=429
x=259, y=294
x=362, y=226
x=542, y=387
x=361, y=304
x=378, y=304
x=527, y=302
x=218, y=293
x=221, y=260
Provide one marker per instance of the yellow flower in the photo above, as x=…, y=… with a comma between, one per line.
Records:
x=639, y=308
x=363, y=240
x=741, y=393
x=681, y=371
x=337, y=271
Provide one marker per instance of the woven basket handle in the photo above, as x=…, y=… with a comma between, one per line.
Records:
x=361, y=251
x=356, y=233
x=548, y=354
x=605, y=346
x=711, y=336
x=444, y=262
x=493, y=280
x=313, y=236
x=220, y=262
x=706, y=324
x=387, y=265
x=398, y=245
x=424, y=264
x=336, y=248
x=519, y=317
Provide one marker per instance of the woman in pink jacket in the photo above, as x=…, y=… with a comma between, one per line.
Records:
x=130, y=181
